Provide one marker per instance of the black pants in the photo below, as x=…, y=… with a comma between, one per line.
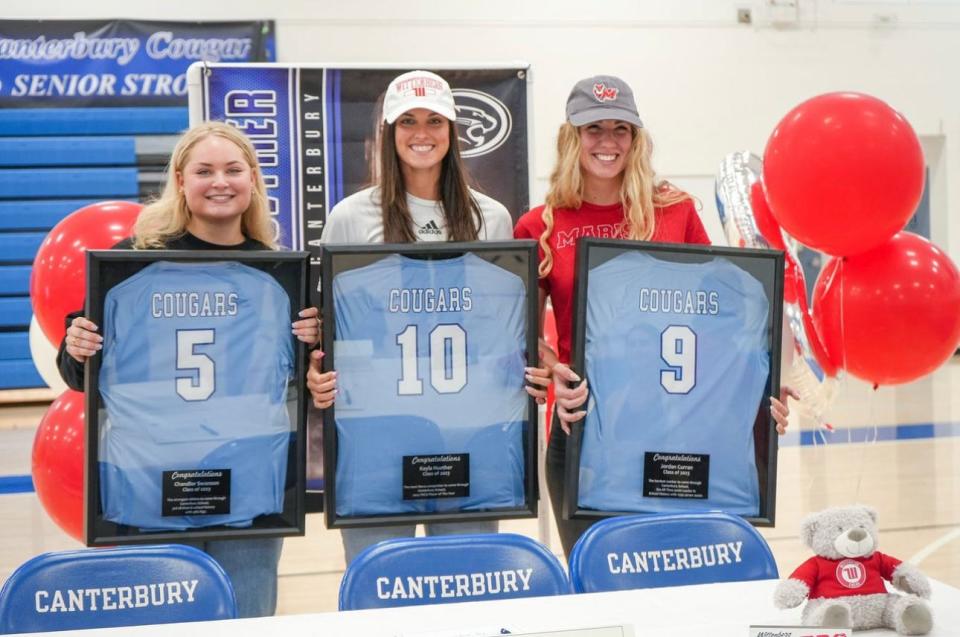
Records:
x=570, y=530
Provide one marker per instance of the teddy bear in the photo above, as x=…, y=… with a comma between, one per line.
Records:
x=844, y=580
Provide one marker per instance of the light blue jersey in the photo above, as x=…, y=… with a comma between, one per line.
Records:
x=196, y=360
x=430, y=359
x=677, y=360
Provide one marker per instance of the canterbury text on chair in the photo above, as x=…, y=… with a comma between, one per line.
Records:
x=127, y=586
x=646, y=551
x=455, y=568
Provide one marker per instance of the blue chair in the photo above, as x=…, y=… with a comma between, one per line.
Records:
x=127, y=586
x=452, y=568
x=647, y=551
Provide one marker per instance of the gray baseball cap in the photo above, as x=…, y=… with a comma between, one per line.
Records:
x=602, y=97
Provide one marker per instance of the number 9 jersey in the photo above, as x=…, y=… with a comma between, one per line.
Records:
x=196, y=362
x=677, y=359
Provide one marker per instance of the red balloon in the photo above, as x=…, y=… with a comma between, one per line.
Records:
x=817, y=348
x=795, y=292
x=57, y=462
x=58, y=278
x=843, y=172
x=766, y=223
x=890, y=315
x=794, y=282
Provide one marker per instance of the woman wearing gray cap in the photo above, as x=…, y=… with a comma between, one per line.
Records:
x=421, y=195
x=602, y=185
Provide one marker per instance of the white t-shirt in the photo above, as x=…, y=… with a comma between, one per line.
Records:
x=359, y=219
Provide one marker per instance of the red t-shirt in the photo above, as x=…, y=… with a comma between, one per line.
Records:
x=849, y=576
x=677, y=223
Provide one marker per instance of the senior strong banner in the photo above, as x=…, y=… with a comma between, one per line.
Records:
x=55, y=63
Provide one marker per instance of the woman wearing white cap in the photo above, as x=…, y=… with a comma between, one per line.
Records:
x=422, y=192
x=602, y=185
x=421, y=195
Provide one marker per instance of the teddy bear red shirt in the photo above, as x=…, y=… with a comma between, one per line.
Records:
x=847, y=576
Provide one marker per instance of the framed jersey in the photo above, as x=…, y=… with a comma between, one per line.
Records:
x=680, y=346
x=431, y=421
x=195, y=413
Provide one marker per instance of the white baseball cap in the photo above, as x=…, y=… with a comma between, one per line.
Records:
x=418, y=89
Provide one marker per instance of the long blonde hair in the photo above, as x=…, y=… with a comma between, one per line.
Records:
x=167, y=217
x=640, y=193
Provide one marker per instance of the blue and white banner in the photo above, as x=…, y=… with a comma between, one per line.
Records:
x=315, y=129
x=261, y=101
x=50, y=63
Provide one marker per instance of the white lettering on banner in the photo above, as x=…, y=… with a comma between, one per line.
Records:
x=154, y=84
x=255, y=113
x=79, y=47
x=67, y=84
x=115, y=597
x=454, y=586
x=162, y=45
x=676, y=559
x=90, y=84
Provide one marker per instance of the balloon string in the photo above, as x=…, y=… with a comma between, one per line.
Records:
x=843, y=326
x=865, y=447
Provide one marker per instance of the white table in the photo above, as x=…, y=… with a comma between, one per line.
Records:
x=713, y=610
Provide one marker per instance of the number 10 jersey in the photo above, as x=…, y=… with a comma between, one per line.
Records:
x=430, y=358
x=196, y=361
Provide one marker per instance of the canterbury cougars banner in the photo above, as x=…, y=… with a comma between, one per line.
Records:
x=117, y=62
x=316, y=128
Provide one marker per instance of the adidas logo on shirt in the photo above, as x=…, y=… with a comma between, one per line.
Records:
x=430, y=228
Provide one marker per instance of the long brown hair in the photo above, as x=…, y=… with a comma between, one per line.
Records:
x=167, y=217
x=460, y=210
x=640, y=192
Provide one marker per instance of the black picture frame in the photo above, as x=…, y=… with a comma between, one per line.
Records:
x=766, y=266
x=517, y=257
x=109, y=268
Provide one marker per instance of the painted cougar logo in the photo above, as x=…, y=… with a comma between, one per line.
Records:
x=483, y=122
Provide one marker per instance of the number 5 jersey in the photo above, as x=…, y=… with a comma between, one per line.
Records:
x=677, y=360
x=196, y=361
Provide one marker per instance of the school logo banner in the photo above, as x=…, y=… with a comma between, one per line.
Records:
x=316, y=132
